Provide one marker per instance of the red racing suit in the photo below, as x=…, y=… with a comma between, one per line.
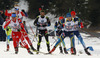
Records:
x=16, y=32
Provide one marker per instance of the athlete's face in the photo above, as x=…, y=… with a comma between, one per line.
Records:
x=16, y=11
x=13, y=18
x=73, y=15
x=69, y=18
x=42, y=13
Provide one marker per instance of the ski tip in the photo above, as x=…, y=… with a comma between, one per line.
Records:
x=90, y=48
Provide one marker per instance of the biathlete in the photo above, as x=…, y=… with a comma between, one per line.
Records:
x=42, y=22
x=16, y=26
x=58, y=28
x=8, y=34
x=78, y=24
x=67, y=31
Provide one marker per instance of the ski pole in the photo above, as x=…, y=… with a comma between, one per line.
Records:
x=55, y=36
x=31, y=29
x=48, y=33
x=32, y=32
x=55, y=39
x=29, y=34
x=53, y=42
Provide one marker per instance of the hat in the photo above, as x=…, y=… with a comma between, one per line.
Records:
x=68, y=15
x=60, y=18
x=40, y=9
x=73, y=13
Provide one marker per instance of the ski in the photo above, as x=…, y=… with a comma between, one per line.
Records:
x=6, y=51
x=39, y=52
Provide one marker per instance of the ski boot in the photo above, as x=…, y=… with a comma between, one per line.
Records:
x=16, y=50
x=73, y=51
x=52, y=50
x=37, y=53
x=38, y=46
x=65, y=51
x=29, y=51
x=7, y=47
x=86, y=51
x=48, y=47
x=61, y=51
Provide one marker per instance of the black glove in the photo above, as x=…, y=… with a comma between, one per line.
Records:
x=59, y=27
x=18, y=30
x=23, y=10
x=7, y=29
x=38, y=25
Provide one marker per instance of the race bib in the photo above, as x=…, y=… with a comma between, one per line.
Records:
x=68, y=27
x=76, y=27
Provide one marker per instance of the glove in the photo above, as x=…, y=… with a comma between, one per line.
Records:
x=38, y=24
x=59, y=27
x=46, y=31
x=18, y=30
x=7, y=29
x=81, y=25
x=63, y=25
x=63, y=34
x=23, y=10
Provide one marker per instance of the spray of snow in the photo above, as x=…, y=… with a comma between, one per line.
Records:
x=23, y=5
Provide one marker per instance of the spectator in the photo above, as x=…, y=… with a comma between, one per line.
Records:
x=2, y=32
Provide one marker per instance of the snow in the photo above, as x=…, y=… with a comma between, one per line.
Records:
x=94, y=42
x=89, y=41
x=23, y=5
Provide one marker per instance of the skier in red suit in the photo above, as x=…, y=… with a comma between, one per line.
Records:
x=16, y=26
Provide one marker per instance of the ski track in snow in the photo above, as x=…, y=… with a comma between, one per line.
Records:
x=89, y=41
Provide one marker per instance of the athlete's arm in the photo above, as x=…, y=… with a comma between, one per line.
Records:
x=8, y=22
x=36, y=21
x=7, y=14
x=48, y=21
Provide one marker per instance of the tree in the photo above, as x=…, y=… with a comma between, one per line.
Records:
x=7, y=3
x=34, y=5
x=94, y=12
x=85, y=9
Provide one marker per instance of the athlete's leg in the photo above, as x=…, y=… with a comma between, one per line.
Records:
x=61, y=38
x=80, y=38
x=73, y=50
